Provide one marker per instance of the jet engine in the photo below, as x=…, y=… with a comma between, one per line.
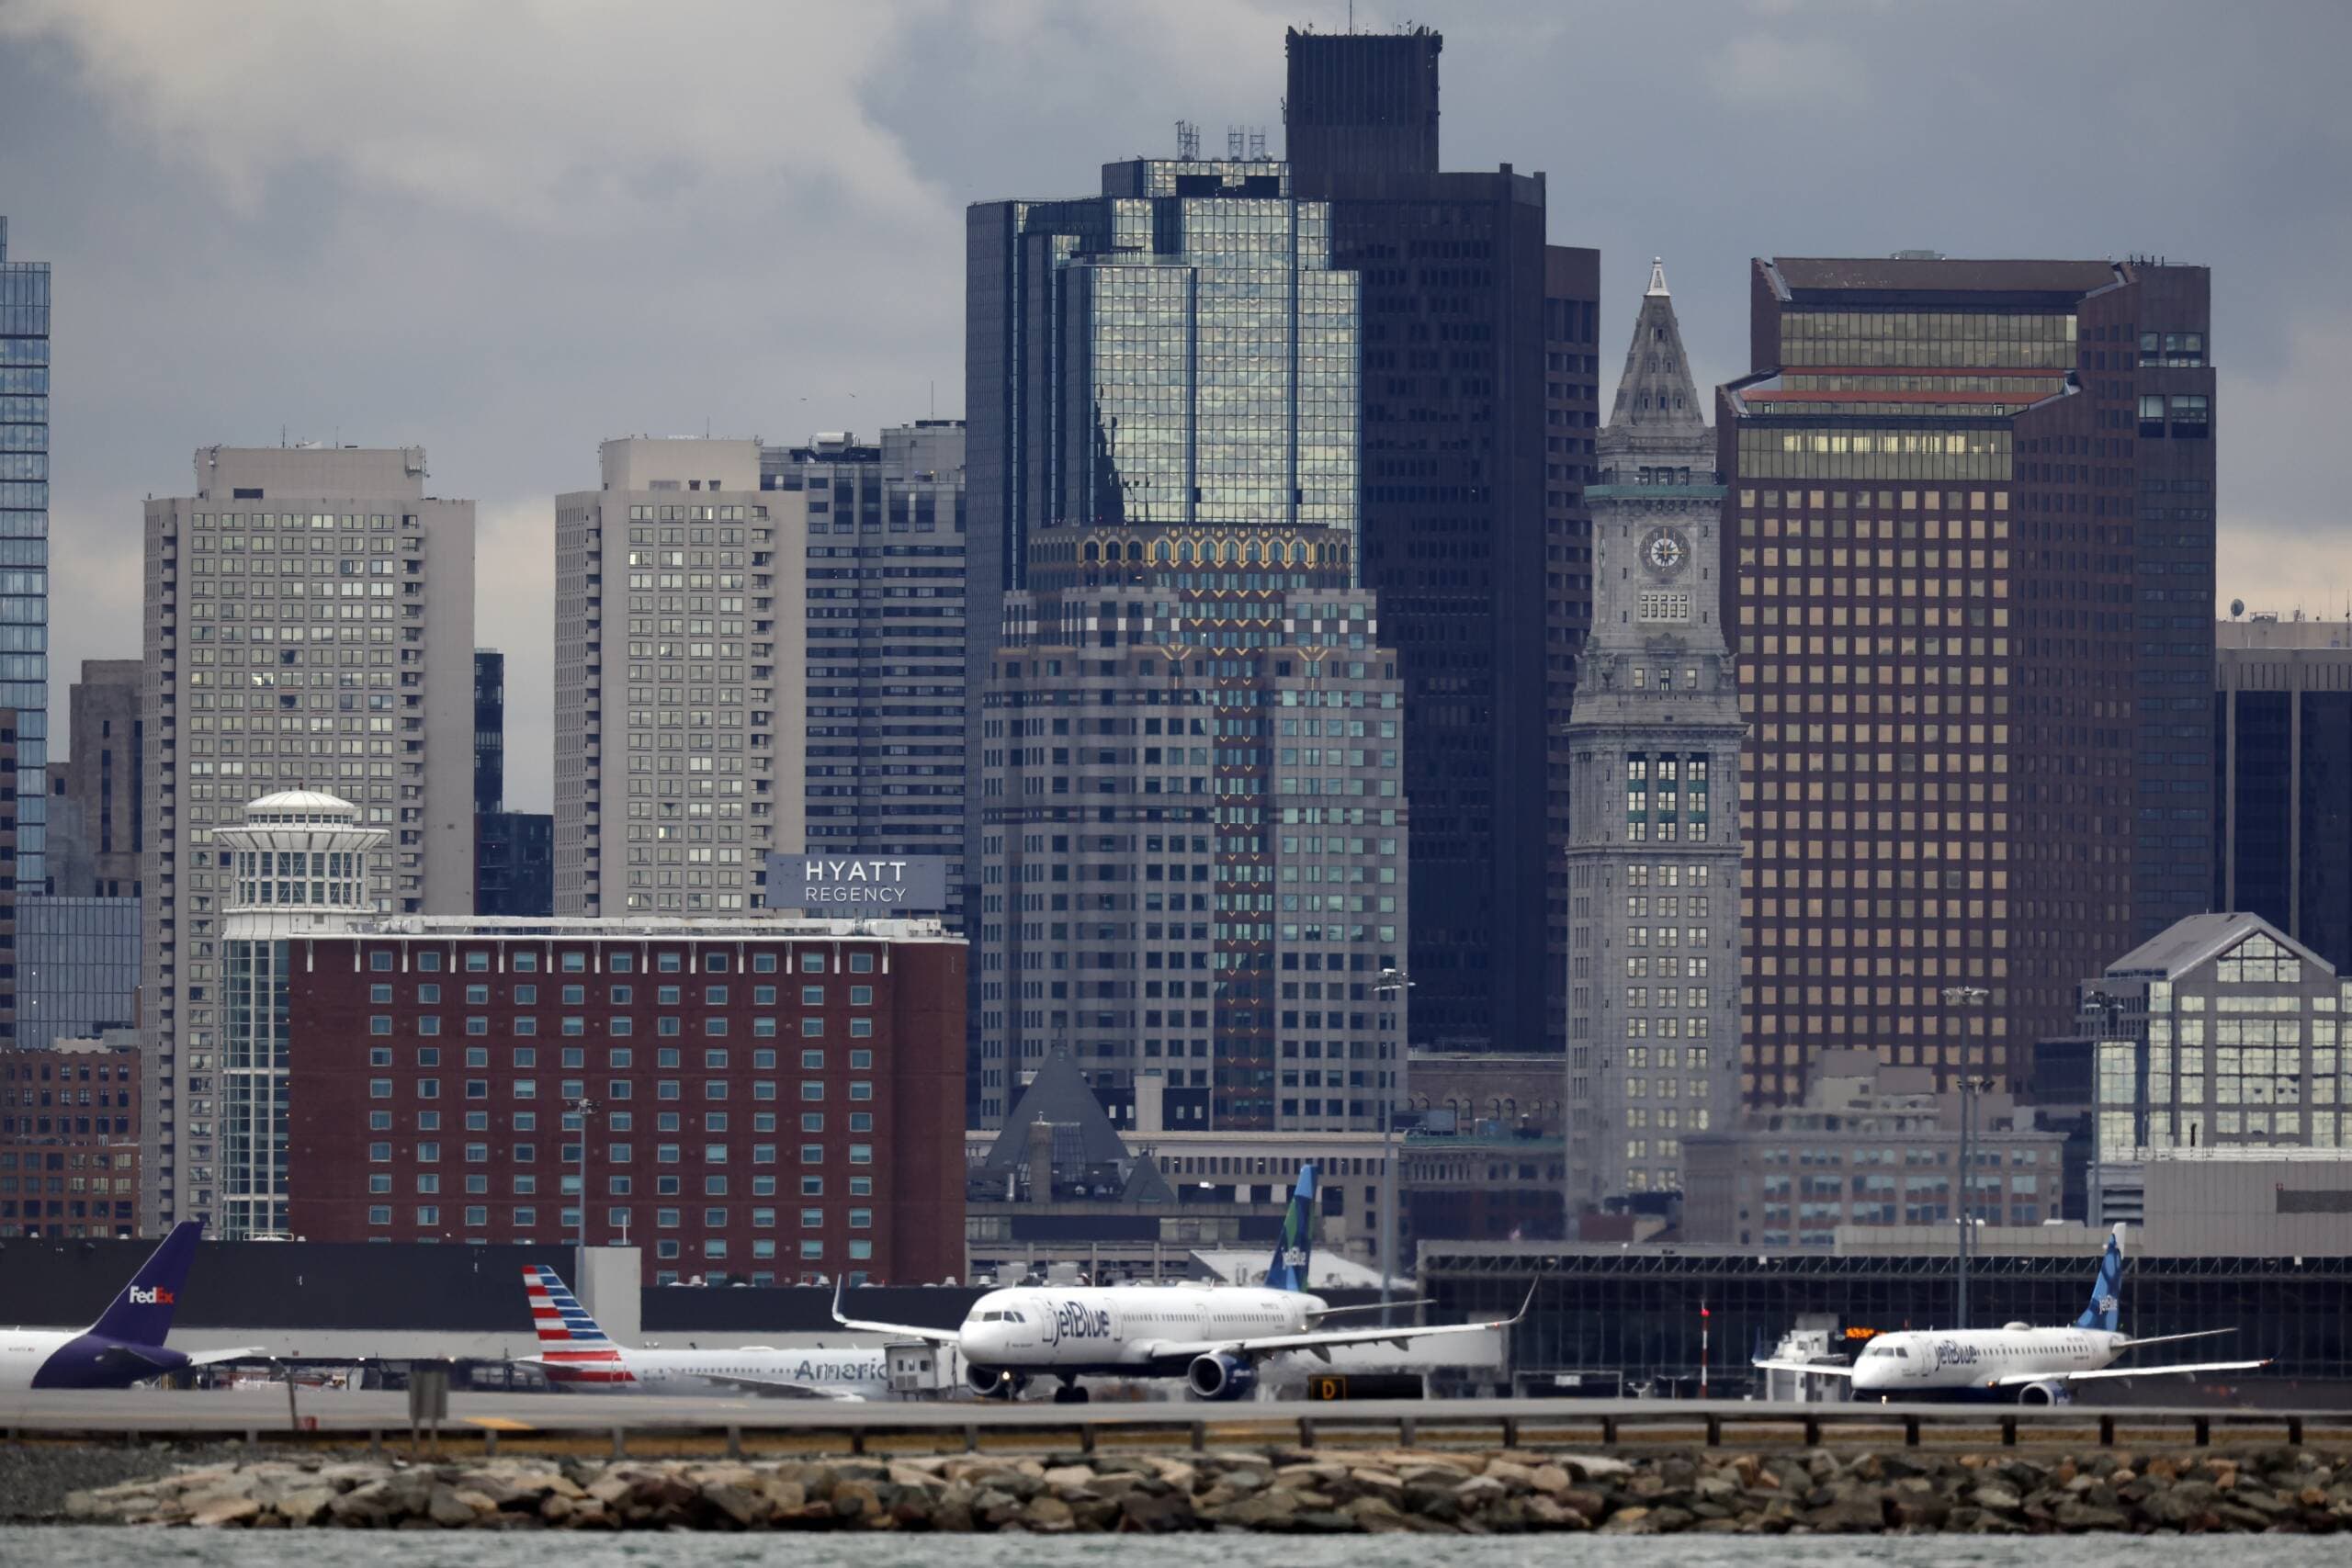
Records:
x=994, y=1380
x=2050, y=1391
x=1221, y=1376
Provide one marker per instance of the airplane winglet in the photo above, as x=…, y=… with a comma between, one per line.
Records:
x=840, y=1286
x=1523, y=1306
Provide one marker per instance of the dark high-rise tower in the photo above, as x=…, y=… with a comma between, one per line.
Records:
x=514, y=851
x=1364, y=103
x=1968, y=559
x=1478, y=407
x=24, y=545
x=2283, y=779
x=490, y=730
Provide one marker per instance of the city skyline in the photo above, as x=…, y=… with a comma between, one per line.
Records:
x=312, y=277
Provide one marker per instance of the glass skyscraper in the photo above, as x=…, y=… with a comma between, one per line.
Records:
x=1163, y=466
x=24, y=542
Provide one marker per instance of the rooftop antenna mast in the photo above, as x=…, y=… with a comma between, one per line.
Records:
x=1188, y=141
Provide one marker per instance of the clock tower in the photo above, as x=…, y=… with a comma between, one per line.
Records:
x=1654, y=850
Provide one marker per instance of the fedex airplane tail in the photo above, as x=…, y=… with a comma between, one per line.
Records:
x=571, y=1347
x=142, y=1314
x=1296, y=1245
x=2106, y=1291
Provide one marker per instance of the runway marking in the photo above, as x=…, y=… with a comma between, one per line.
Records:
x=498, y=1423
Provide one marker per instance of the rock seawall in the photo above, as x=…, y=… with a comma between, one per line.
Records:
x=1279, y=1490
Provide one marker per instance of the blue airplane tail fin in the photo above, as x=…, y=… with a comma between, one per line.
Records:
x=142, y=1314
x=1295, y=1245
x=2106, y=1291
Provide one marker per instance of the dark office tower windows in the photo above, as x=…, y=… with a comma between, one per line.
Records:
x=1456, y=278
x=1571, y=415
x=490, y=730
x=1968, y=581
x=9, y=897
x=2282, y=781
x=1365, y=102
x=885, y=679
x=23, y=543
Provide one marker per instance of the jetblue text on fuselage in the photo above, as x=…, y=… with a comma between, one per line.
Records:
x=1953, y=1353
x=1072, y=1321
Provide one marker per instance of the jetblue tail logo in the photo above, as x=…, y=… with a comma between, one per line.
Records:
x=2105, y=1310
x=1287, y=1269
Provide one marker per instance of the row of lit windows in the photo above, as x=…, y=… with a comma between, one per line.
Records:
x=615, y=961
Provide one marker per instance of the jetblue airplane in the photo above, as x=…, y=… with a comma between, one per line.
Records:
x=1213, y=1337
x=2033, y=1366
x=576, y=1354
x=126, y=1345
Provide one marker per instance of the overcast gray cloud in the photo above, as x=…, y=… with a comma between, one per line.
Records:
x=506, y=230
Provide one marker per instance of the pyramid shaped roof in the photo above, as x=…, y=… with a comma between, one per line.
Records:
x=1657, y=418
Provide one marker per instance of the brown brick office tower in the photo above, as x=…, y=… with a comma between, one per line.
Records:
x=1968, y=565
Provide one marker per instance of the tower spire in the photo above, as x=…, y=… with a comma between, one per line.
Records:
x=1658, y=417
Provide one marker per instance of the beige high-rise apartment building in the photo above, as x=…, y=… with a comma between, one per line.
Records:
x=309, y=626
x=680, y=702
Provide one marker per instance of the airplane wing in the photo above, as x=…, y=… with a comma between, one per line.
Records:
x=2015, y=1378
x=902, y=1330
x=1807, y=1366
x=1322, y=1342
x=242, y=1353
x=129, y=1358
x=1407, y=1307
x=2171, y=1338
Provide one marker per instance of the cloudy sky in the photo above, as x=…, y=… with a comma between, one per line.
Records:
x=507, y=228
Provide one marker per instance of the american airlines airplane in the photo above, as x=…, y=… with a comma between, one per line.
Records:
x=1213, y=1337
x=576, y=1354
x=126, y=1345
x=2032, y=1366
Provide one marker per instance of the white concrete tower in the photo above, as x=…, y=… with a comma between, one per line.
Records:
x=298, y=867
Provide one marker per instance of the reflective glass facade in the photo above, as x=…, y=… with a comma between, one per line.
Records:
x=24, y=542
x=77, y=968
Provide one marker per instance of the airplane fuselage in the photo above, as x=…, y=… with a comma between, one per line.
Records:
x=847, y=1372
x=1964, y=1360
x=33, y=1358
x=1117, y=1328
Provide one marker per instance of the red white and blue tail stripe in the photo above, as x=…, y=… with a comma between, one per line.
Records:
x=573, y=1350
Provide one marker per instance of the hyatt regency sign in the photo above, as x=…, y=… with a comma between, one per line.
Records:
x=858, y=885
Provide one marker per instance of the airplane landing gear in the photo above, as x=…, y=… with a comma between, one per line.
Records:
x=1069, y=1393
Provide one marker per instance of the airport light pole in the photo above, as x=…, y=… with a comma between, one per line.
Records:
x=1391, y=986
x=1967, y=997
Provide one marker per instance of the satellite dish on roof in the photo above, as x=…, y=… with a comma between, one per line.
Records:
x=2237, y=608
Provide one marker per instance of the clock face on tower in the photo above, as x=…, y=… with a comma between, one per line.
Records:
x=1665, y=551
